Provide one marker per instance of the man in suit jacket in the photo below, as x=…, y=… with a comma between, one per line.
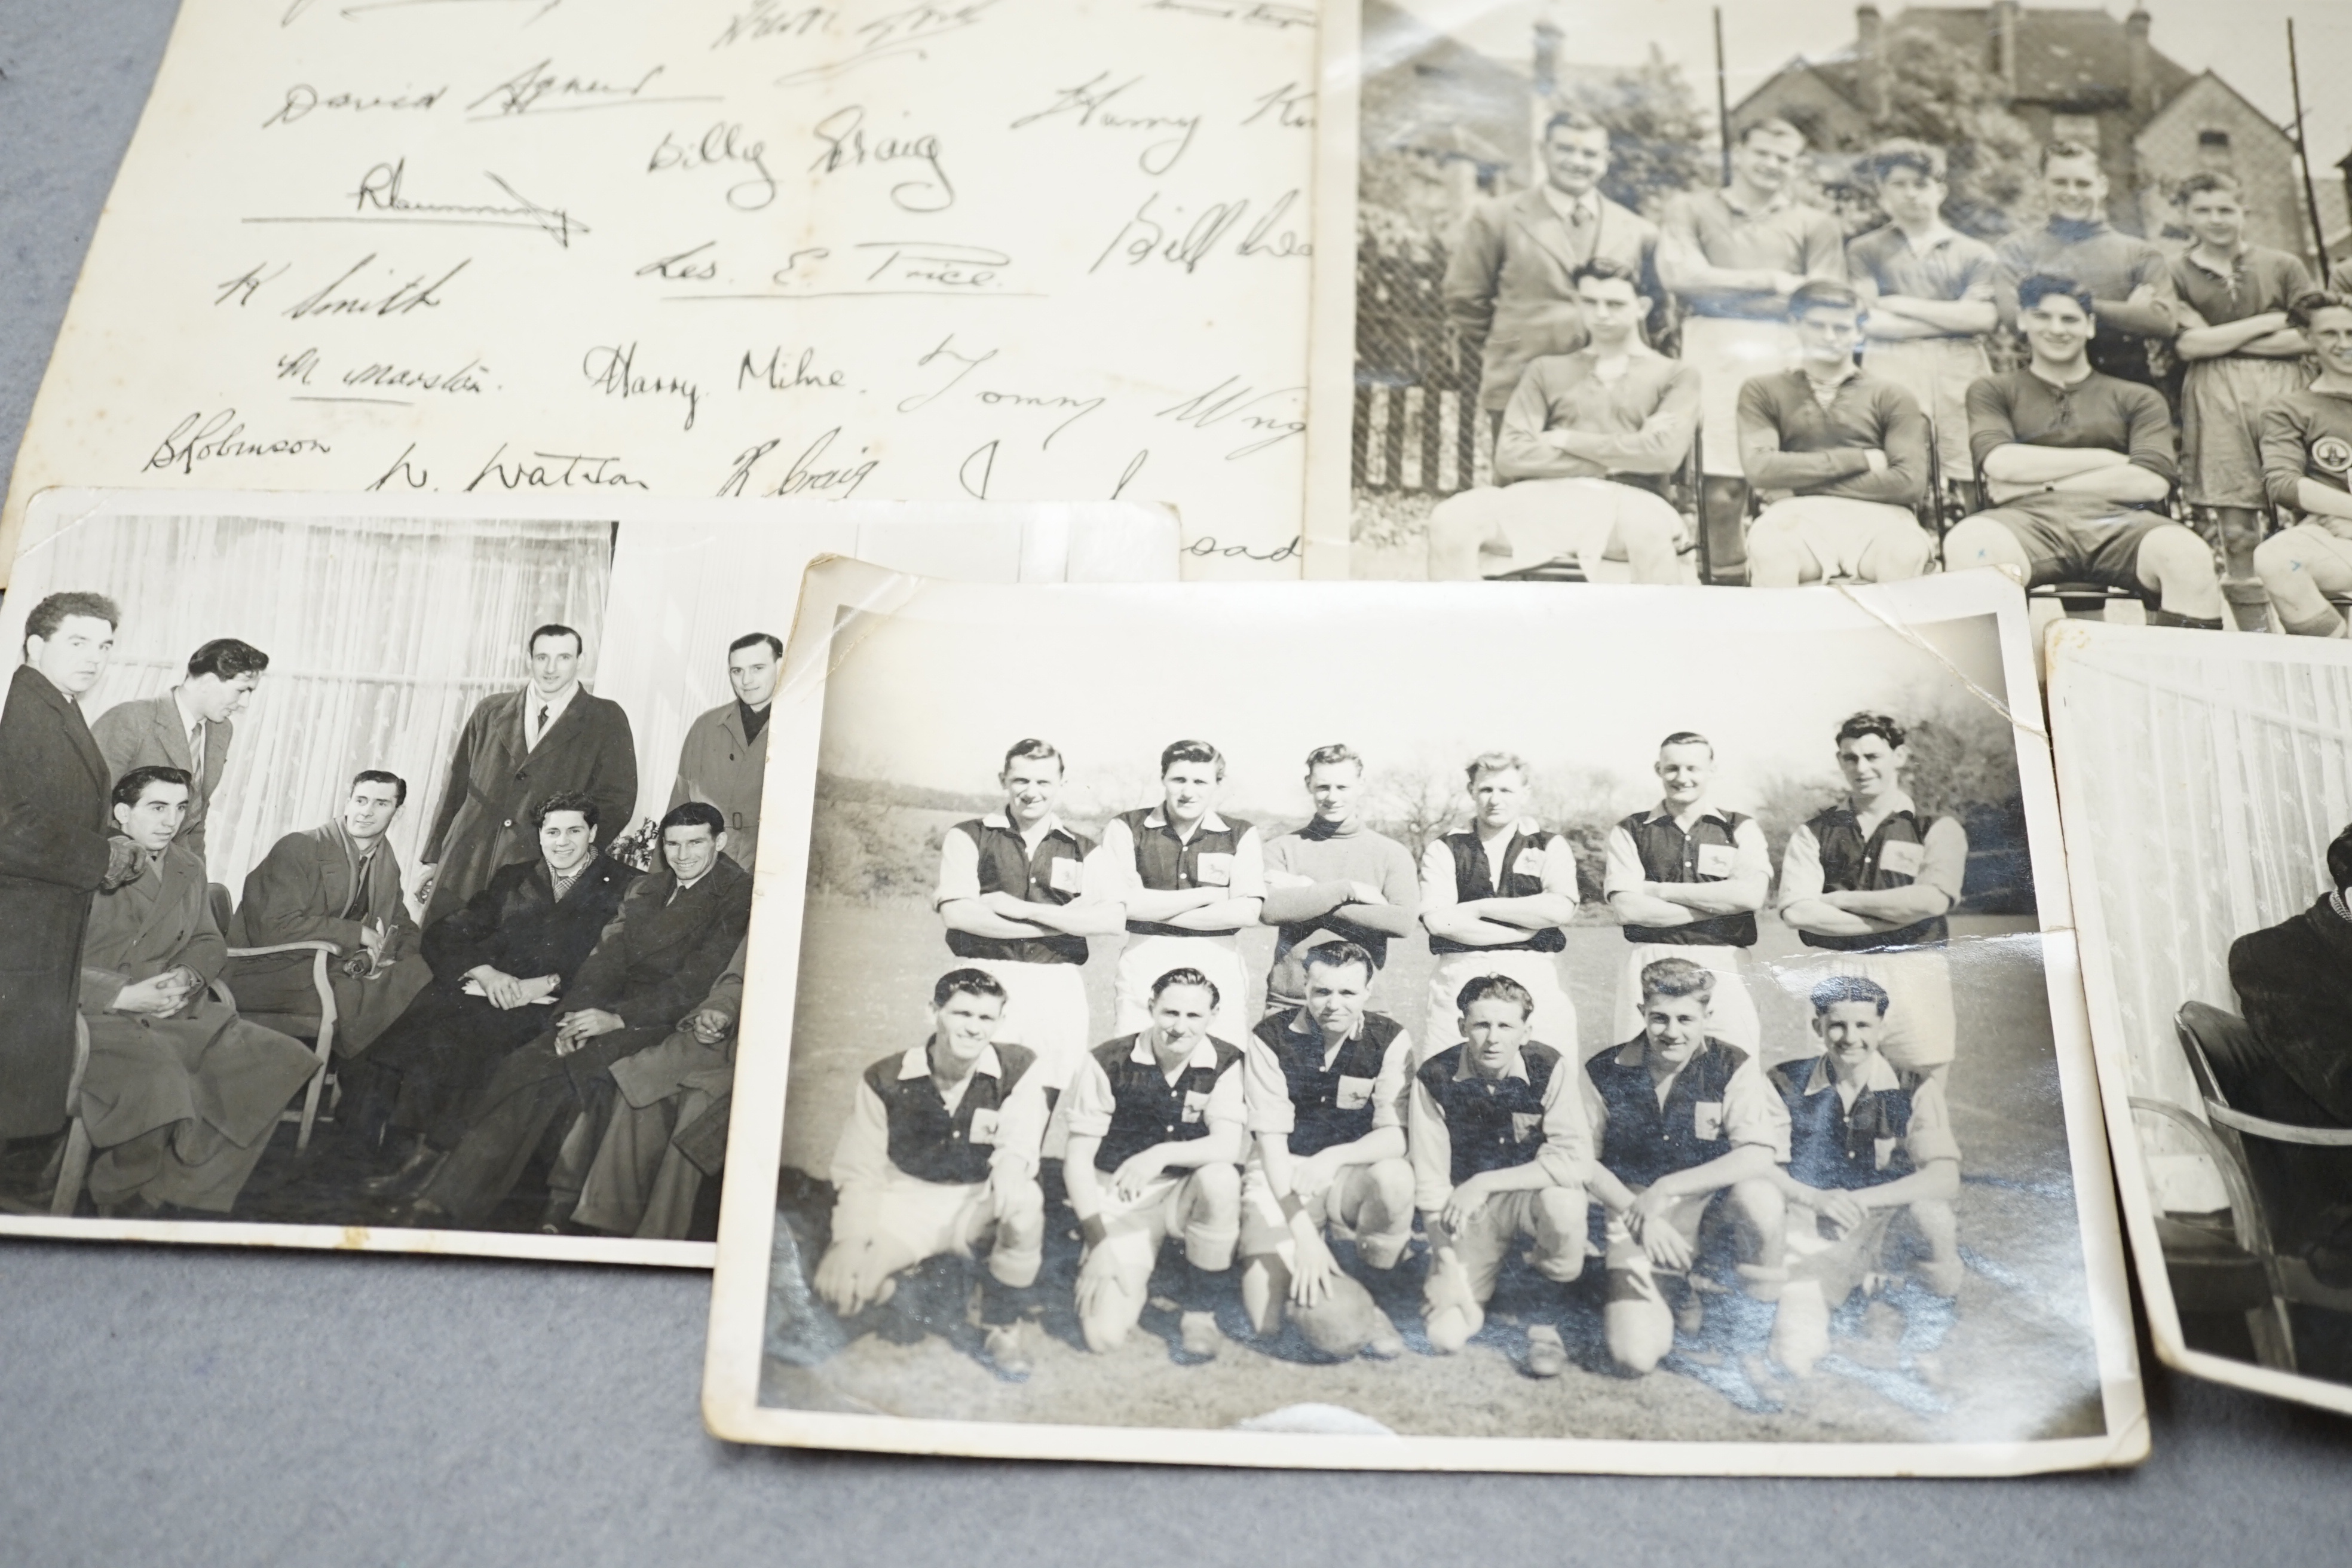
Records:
x=181, y=1094
x=516, y=749
x=635, y=1167
x=1509, y=278
x=58, y=846
x=678, y=927
x=498, y=966
x=725, y=758
x=339, y=883
x=188, y=727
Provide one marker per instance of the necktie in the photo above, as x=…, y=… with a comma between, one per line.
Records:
x=196, y=749
x=1577, y=217
x=539, y=731
x=358, y=904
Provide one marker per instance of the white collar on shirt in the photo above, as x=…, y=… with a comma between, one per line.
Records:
x=1663, y=810
x=1880, y=1075
x=1517, y=1067
x=1204, y=1054
x=1044, y=830
x=1565, y=207
x=917, y=1063
x=1210, y=821
x=1892, y=801
x=1943, y=234
x=533, y=702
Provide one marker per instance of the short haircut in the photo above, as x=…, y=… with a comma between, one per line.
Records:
x=1822, y=294
x=775, y=644
x=1677, y=978
x=1571, y=119
x=1605, y=269
x=958, y=983
x=1338, y=955
x=1687, y=738
x=1904, y=153
x=378, y=775
x=226, y=658
x=2340, y=859
x=1771, y=124
x=1496, y=763
x=1042, y=751
x=1491, y=987
x=694, y=814
x=1333, y=755
x=2205, y=180
x=133, y=784
x=2304, y=307
x=2053, y=151
x=2043, y=285
x=1840, y=988
x=1190, y=751
x=566, y=800
x=1188, y=977
x=51, y=613
x=1883, y=725
x=555, y=629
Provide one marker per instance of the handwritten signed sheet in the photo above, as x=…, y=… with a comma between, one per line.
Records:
x=1001, y=249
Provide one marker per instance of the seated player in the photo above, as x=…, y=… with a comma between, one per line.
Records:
x=1500, y=1151
x=1839, y=457
x=939, y=1158
x=1326, y=1087
x=2077, y=465
x=1865, y=1142
x=1680, y=1117
x=181, y=1094
x=339, y=883
x=676, y=929
x=668, y=1127
x=2307, y=445
x=1585, y=447
x=1156, y=1126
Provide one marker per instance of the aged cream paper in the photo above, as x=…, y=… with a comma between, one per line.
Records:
x=1002, y=250
x=887, y=734
x=386, y=619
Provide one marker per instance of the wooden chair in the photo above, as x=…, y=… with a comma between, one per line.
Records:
x=2215, y=1263
x=318, y=1032
x=1682, y=488
x=73, y=1166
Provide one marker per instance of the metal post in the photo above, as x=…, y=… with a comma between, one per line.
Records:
x=2303, y=153
x=1722, y=98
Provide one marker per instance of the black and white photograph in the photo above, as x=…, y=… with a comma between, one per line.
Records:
x=2208, y=805
x=1210, y=1053
x=1811, y=292
x=380, y=878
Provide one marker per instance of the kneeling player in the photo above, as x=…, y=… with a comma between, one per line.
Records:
x=1156, y=1130
x=1681, y=1117
x=939, y=1159
x=1864, y=1141
x=1500, y=1151
x=1325, y=1088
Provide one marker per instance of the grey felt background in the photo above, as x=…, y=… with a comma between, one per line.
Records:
x=217, y=1407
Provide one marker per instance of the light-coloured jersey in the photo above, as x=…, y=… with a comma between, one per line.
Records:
x=1092, y=1104
x=1555, y=863
x=863, y=1153
x=1745, y=857
x=1567, y=1132
x=1267, y=1092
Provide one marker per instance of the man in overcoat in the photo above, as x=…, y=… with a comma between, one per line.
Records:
x=58, y=846
x=181, y=1094
x=516, y=749
x=724, y=759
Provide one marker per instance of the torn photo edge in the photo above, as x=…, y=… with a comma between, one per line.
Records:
x=836, y=593
x=1004, y=541
x=2075, y=648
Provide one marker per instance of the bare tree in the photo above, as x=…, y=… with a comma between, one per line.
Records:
x=1415, y=806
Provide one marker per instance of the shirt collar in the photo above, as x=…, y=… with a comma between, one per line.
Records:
x=1880, y=1075
x=1210, y=821
x=684, y=886
x=1845, y=374
x=1771, y=206
x=1894, y=803
x=1662, y=810
x=2230, y=276
x=555, y=705
x=1303, y=1024
x=2074, y=231
x=187, y=721
x=1004, y=824
x=1204, y=1054
x=1566, y=207
x=1936, y=238
x=1517, y=1067
x=917, y=1063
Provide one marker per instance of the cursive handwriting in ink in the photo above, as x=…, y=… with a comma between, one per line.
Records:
x=1147, y=234
x=690, y=265
x=202, y=440
x=940, y=266
x=847, y=146
x=984, y=458
x=724, y=143
x=1292, y=106
x=792, y=262
x=613, y=369
x=246, y=284
x=1090, y=101
x=965, y=365
x=1232, y=399
x=1208, y=545
x=894, y=33
x=297, y=368
x=538, y=83
x=572, y=470
x=1127, y=475
x=1250, y=12
x=384, y=375
x=414, y=477
x=415, y=294
x=779, y=377
x=774, y=19
x=301, y=98
x=380, y=191
x=1055, y=400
